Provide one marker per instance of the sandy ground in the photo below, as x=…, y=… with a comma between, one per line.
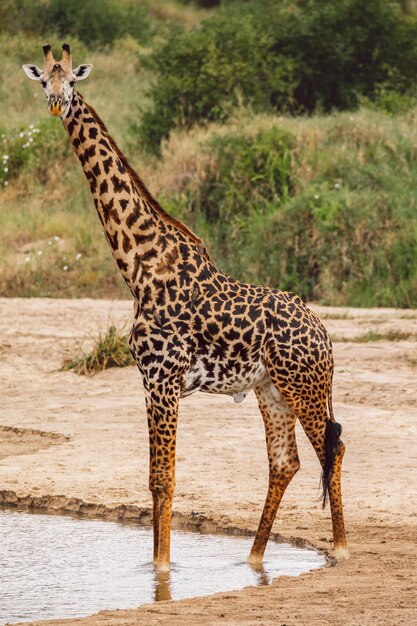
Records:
x=80, y=444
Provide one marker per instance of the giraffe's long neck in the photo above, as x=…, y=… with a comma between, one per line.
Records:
x=143, y=238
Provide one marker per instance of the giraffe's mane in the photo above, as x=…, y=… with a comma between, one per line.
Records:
x=140, y=186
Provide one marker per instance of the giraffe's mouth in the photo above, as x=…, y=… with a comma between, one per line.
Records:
x=57, y=106
x=56, y=109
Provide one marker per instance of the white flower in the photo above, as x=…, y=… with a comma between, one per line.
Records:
x=316, y=197
x=30, y=125
x=5, y=157
x=6, y=182
x=6, y=169
x=49, y=243
x=21, y=135
x=27, y=259
x=78, y=256
x=39, y=252
x=30, y=139
x=65, y=268
x=57, y=238
x=337, y=185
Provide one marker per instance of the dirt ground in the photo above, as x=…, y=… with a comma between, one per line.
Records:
x=80, y=444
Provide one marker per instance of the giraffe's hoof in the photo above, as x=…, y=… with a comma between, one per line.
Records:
x=341, y=553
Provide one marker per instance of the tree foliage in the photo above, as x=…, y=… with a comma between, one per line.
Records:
x=274, y=54
x=97, y=23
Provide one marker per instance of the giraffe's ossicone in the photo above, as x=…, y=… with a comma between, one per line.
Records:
x=197, y=329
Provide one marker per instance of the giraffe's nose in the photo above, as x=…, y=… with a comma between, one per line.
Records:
x=56, y=105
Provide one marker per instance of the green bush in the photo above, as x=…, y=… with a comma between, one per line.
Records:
x=245, y=179
x=21, y=16
x=98, y=22
x=246, y=171
x=347, y=49
x=276, y=54
x=326, y=213
x=203, y=73
x=328, y=246
x=390, y=101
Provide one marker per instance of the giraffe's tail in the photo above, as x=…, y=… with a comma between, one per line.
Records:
x=331, y=442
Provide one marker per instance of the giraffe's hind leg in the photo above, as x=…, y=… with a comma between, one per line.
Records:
x=323, y=434
x=283, y=460
x=311, y=402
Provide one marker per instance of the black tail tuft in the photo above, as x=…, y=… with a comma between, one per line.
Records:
x=331, y=442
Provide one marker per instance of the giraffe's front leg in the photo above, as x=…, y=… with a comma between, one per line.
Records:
x=162, y=408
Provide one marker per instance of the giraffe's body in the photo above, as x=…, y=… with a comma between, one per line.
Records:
x=197, y=329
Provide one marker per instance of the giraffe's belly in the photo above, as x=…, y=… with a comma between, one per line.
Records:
x=224, y=377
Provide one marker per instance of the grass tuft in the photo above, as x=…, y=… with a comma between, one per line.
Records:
x=109, y=350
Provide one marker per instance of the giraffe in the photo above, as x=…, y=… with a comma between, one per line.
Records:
x=197, y=329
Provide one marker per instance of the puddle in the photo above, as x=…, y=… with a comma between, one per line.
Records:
x=54, y=567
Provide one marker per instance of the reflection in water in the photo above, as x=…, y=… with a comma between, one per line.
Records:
x=261, y=574
x=60, y=567
x=162, y=586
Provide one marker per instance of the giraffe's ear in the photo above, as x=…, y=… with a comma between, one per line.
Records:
x=32, y=71
x=82, y=71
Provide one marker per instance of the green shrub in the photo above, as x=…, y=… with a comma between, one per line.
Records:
x=325, y=213
x=390, y=101
x=21, y=16
x=98, y=22
x=203, y=73
x=243, y=179
x=281, y=55
x=347, y=49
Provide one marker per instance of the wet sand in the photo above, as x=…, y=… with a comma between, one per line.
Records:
x=80, y=444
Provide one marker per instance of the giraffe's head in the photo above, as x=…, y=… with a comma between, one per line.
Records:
x=58, y=79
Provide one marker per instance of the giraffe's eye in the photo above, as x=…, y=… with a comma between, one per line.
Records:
x=43, y=83
x=72, y=83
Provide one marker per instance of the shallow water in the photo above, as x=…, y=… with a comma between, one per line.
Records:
x=56, y=567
